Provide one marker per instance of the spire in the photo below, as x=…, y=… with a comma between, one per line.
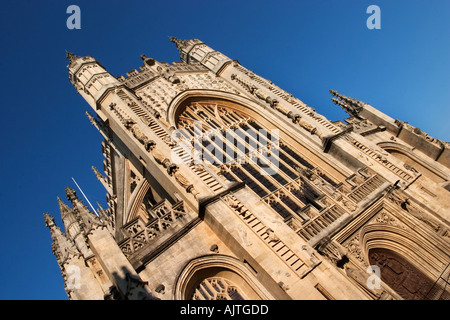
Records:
x=70, y=55
x=93, y=121
x=107, y=217
x=102, y=179
x=185, y=46
x=62, y=247
x=72, y=59
x=72, y=225
x=181, y=44
x=87, y=219
x=350, y=105
x=76, y=222
x=63, y=208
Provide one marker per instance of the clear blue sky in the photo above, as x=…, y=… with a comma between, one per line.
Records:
x=305, y=47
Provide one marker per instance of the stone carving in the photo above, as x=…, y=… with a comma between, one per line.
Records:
x=296, y=118
x=136, y=289
x=335, y=253
x=261, y=95
x=214, y=248
x=410, y=168
x=169, y=141
x=168, y=74
x=352, y=106
x=438, y=227
x=138, y=134
x=255, y=91
x=172, y=169
x=361, y=278
x=271, y=235
x=312, y=255
x=160, y=289
x=158, y=156
x=354, y=248
x=181, y=179
x=199, y=167
x=350, y=205
x=385, y=218
x=184, y=182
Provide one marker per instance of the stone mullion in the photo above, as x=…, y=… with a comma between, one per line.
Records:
x=196, y=117
x=279, y=187
x=272, y=180
x=291, y=195
x=281, y=172
x=251, y=151
x=211, y=289
x=246, y=157
x=212, y=117
x=251, y=177
x=217, y=147
x=206, y=110
x=287, y=193
x=239, y=138
x=228, y=121
x=204, y=149
x=295, y=181
x=248, y=174
x=227, y=168
x=199, y=295
x=294, y=160
x=235, y=115
x=232, y=122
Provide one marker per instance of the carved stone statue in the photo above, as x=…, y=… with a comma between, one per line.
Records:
x=271, y=235
x=296, y=118
x=157, y=155
x=185, y=183
x=138, y=134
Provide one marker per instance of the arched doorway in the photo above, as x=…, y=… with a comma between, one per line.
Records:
x=404, y=278
x=409, y=264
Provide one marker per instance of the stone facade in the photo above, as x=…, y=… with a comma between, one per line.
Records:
x=221, y=185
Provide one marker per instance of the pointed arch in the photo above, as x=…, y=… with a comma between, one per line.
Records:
x=409, y=263
x=413, y=247
x=211, y=267
x=415, y=162
x=239, y=102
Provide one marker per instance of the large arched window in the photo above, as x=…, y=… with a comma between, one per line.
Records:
x=240, y=148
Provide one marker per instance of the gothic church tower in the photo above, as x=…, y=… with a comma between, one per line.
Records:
x=221, y=185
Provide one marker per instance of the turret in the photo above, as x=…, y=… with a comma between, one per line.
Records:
x=194, y=50
x=89, y=77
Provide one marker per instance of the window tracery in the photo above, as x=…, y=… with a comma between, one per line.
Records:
x=217, y=288
x=243, y=150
